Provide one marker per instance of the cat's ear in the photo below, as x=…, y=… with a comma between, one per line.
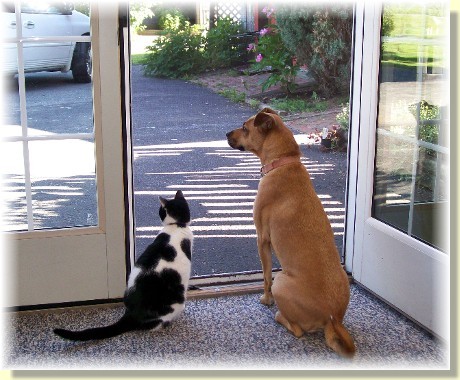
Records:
x=179, y=194
x=163, y=201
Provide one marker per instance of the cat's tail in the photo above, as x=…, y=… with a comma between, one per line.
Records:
x=125, y=324
x=339, y=339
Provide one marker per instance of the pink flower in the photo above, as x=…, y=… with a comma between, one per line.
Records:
x=264, y=31
x=251, y=47
x=268, y=11
x=259, y=57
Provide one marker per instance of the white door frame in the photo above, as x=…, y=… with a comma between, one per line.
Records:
x=408, y=274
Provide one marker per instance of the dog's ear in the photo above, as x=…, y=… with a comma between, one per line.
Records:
x=264, y=121
x=269, y=110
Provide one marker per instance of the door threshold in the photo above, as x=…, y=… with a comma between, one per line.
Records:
x=229, y=284
x=209, y=291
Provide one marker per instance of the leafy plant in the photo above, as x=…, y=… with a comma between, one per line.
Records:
x=388, y=22
x=272, y=53
x=171, y=19
x=320, y=37
x=176, y=54
x=183, y=50
x=343, y=118
x=222, y=46
x=427, y=115
x=138, y=12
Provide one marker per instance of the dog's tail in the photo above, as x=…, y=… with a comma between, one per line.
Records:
x=339, y=339
x=125, y=324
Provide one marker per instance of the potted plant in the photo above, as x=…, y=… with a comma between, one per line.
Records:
x=326, y=138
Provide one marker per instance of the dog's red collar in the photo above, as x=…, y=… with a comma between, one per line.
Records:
x=264, y=170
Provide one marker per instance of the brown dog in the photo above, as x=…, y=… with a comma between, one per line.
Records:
x=312, y=290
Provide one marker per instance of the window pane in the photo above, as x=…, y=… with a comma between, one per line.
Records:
x=412, y=155
x=431, y=198
x=56, y=104
x=49, y=165
x=13, y=186
x=63, y=183
x=393, y=181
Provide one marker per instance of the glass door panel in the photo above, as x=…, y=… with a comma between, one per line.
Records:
x=398, y=217
x=411, y=174
x=64, y=220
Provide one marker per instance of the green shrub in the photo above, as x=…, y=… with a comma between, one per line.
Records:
x=273, y=53
x=171, y=19
x=222, y=46
x=388, y=22
x=320, y=37
x=176, y=54
x=183, y=51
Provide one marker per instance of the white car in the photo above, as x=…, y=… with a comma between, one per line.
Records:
x=47, y=19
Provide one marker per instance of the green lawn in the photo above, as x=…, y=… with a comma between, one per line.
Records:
x=139, y=45
x=138, y=59
x=416, y=37
x=412, y=55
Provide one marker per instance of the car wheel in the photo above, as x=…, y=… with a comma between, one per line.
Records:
x=82, y=63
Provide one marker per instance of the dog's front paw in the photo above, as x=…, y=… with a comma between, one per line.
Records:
x=267, y=299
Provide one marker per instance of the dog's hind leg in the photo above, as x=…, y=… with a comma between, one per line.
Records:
x=299, y=314
x=292, y=327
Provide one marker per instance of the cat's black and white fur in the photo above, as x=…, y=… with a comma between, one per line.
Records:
x=157, y=285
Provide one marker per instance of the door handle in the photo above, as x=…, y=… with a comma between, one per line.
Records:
x=13, y=24
x=29, y=25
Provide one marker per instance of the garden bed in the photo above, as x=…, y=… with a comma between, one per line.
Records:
x=248, y=88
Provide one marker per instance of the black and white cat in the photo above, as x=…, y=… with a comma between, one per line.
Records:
x=157, y=285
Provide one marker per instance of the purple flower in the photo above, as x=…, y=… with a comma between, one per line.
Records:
x=259, y=57
x=251, y=47
x=264, y=31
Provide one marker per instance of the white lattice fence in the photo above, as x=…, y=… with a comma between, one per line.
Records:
x=238, y=12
